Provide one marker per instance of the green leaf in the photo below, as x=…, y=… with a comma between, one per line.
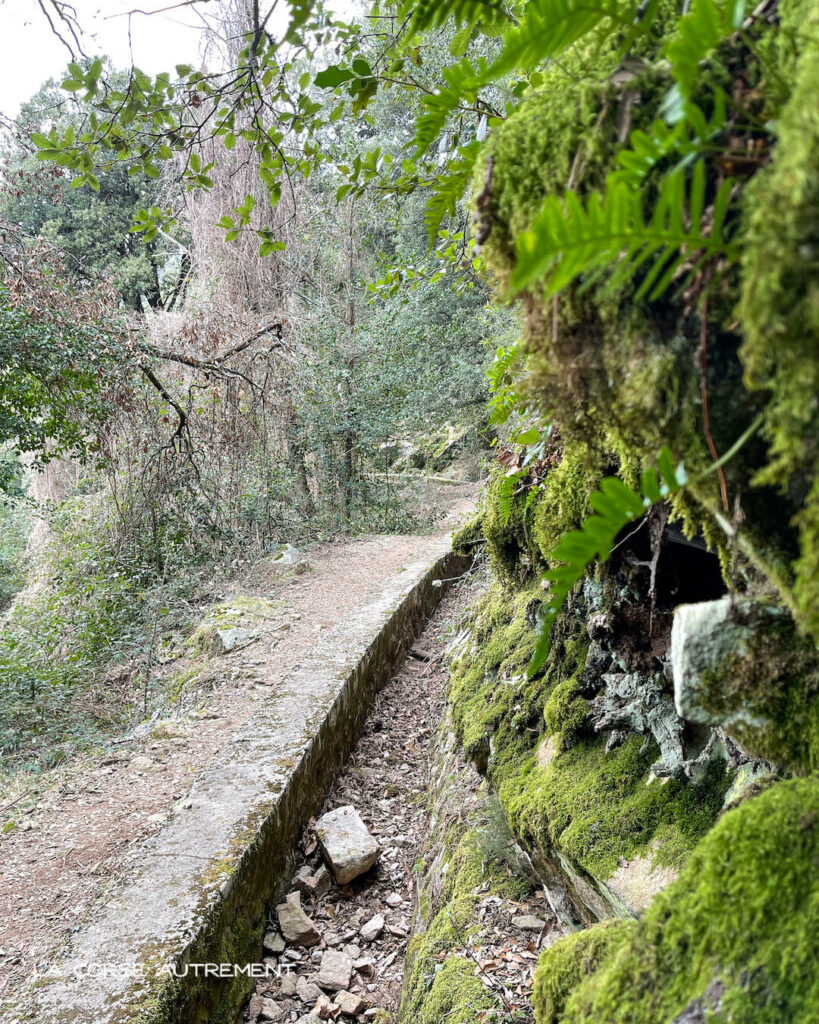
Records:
x=333, y=76
x=269, y=247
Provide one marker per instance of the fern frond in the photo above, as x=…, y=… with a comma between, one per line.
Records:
x=615, y=506
x=462, y=82
x=698, y=31
x=550, y=26
x=546, y=28
x=449, y=188
x=684, y=142
x=568, y=239
x=428, y=14
x=506, y=493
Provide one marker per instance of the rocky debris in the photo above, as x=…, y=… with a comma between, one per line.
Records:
x=349, y=1003
x=234, y=638
x=296, y=926
x=273, y=943
x=365, y=924
x=346, y=843
x=528, y=923
x=311, y=882
x=265, y=1009
x=372, y=929
x=335, y=971
x=307, y=990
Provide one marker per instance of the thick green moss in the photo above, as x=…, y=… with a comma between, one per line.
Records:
x=441, y=984
x=621, y=375
x=769, y=695
x=456, y=995
x=468, y=536
x=780, y=297
x=596, y=807
x=570, y=961
x=592, y=806
x=738, y=931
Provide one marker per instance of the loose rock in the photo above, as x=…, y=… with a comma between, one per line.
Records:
x=528, y=923
x=296, y=926
x=265, y=1009
x=274, y=944
x=346, y=843
x=307, y=990
x=349, y=1003
x=336, y=971
x=372, y=929
x=288, y=986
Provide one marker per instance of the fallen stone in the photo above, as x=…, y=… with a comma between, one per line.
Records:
x=335, y=971
x=394, y=900
x=288, y=986
x=296, y=926
x=309, y=1018
x=349, y=1003
x=307, y=990
x=235, y=638
x=323, y=880
x=265, y=1009
x=288, y=557
x=528, y=923
x=304, y=881
x=372, y=929
x=352, y=950
x=366, y=965
x=274, y=943
x=346, y=843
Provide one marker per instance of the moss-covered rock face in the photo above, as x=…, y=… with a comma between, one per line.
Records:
x=460, y=869
x=584, y=807
x=735, y=938
x=743, y=666
x=568, y=963
x=623, y=375
x=780, y=295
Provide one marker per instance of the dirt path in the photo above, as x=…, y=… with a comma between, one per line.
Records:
x=92, y=815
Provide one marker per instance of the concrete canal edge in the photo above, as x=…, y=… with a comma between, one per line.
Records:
x=203, y=886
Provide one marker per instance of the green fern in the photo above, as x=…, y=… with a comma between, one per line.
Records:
x=685, y=141
x=449, y=188
x=615, y=506
x=705, y=25
x=506, y=493
x=428, y=14
x=463, y=80
x=550, y=26
x=568, y=239
x=546, y=28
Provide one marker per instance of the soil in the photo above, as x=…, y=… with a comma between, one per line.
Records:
x=80, y=831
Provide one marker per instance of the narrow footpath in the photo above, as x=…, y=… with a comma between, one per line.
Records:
x=80, y=830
